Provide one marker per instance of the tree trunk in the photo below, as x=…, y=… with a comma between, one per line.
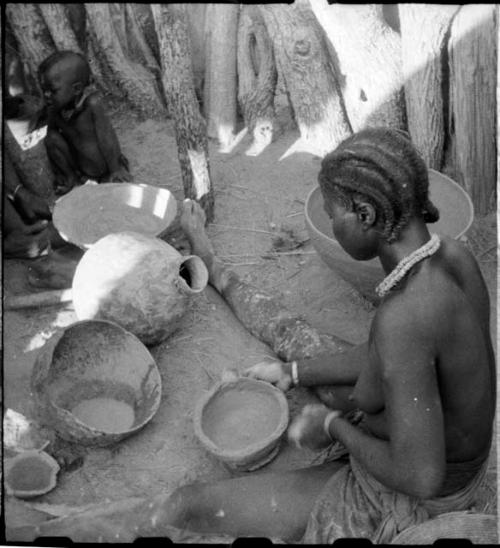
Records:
x=32, y=35
x=473, y=72
x=196, y=29
x=137, y=82
x=57, y=21
x=220, y=70
x=368, y=55
x=257, y=78
x=144, y=19
x=302, y=57
x=190, y=127
x=424, y=29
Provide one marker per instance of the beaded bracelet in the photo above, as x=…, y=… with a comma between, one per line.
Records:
x=295, y=374
x=328, y=419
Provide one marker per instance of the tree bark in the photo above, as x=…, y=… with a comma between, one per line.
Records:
x=257, y=78
x=220, y=72
x=57, y=21
x=368, y=56
x=190, y=127
x=424, y=29
x=302, y=57
x=196, y=29
x=473, y=70
x=32, y=35
x=144, y=19
x=136, y=81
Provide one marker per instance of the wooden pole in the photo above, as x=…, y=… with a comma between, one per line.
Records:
x=473, y=80
x=178, y=86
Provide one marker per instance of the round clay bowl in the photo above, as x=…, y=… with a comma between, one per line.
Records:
x=241, y=422
x=30, y=474
x=95, y=383
x=90, y=212
x=456, y=216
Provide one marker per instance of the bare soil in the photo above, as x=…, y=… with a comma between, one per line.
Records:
x=258, y=210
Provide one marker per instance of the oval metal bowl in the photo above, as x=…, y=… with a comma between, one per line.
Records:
x=241, y=422
x=90, y=212
x=95, y=383
x=456, y=216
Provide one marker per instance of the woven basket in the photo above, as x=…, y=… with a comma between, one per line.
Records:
x=478, y=528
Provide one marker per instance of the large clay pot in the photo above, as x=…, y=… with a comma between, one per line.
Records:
x=139, y=282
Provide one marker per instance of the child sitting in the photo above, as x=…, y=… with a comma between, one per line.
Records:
x=81, y=142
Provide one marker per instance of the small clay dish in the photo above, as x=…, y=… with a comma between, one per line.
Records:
x=91, y=211
x=95, y=383
x=30, y=474
x=241, y=422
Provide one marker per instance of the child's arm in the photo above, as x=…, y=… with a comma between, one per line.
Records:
x=107, y=141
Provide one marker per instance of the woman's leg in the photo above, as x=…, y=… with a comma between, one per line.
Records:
x=272, y=504
x=263, y=315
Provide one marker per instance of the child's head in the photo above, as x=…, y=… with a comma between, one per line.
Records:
x=63, y=76
x=379, y=166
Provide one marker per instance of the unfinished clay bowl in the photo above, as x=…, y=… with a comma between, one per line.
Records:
x=456, y=216
x=138, y=282
x=241, y=422
x=30, y=474
x=89, y=212
x=95, y=383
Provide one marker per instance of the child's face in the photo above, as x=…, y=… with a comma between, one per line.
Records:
x=58, y=88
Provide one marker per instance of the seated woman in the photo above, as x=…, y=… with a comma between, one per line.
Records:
x=424, y=382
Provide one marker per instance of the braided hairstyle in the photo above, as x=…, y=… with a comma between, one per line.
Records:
x=381, y=166
x=80, y=70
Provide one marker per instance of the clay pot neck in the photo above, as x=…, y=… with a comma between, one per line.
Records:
x=193, y=275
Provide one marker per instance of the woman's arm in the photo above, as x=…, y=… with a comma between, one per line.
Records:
x=332, y=369
x=414, y=459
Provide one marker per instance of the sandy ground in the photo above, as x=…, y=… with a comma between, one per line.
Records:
x=256, y=197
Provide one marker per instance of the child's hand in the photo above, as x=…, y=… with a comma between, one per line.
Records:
x=121, y=175
x=308, y=428
x=272, y=372
x=31, y=206
x=29, y=242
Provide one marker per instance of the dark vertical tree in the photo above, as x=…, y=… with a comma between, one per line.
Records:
x=190, y=127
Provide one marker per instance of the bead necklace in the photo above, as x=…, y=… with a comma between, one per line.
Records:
x=402, y=268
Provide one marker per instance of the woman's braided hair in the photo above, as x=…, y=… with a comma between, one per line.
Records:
x=381, y=166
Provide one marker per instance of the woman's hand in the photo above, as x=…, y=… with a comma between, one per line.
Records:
x=307, y=430
x=274, y=372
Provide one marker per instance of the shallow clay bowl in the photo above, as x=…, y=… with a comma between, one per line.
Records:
x=95, y=383
x=456, y=216
x=90, y=212
x=30, y=474
x=241, y=422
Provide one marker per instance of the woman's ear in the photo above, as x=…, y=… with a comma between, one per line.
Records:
x=366, y=214
x=78, y=87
